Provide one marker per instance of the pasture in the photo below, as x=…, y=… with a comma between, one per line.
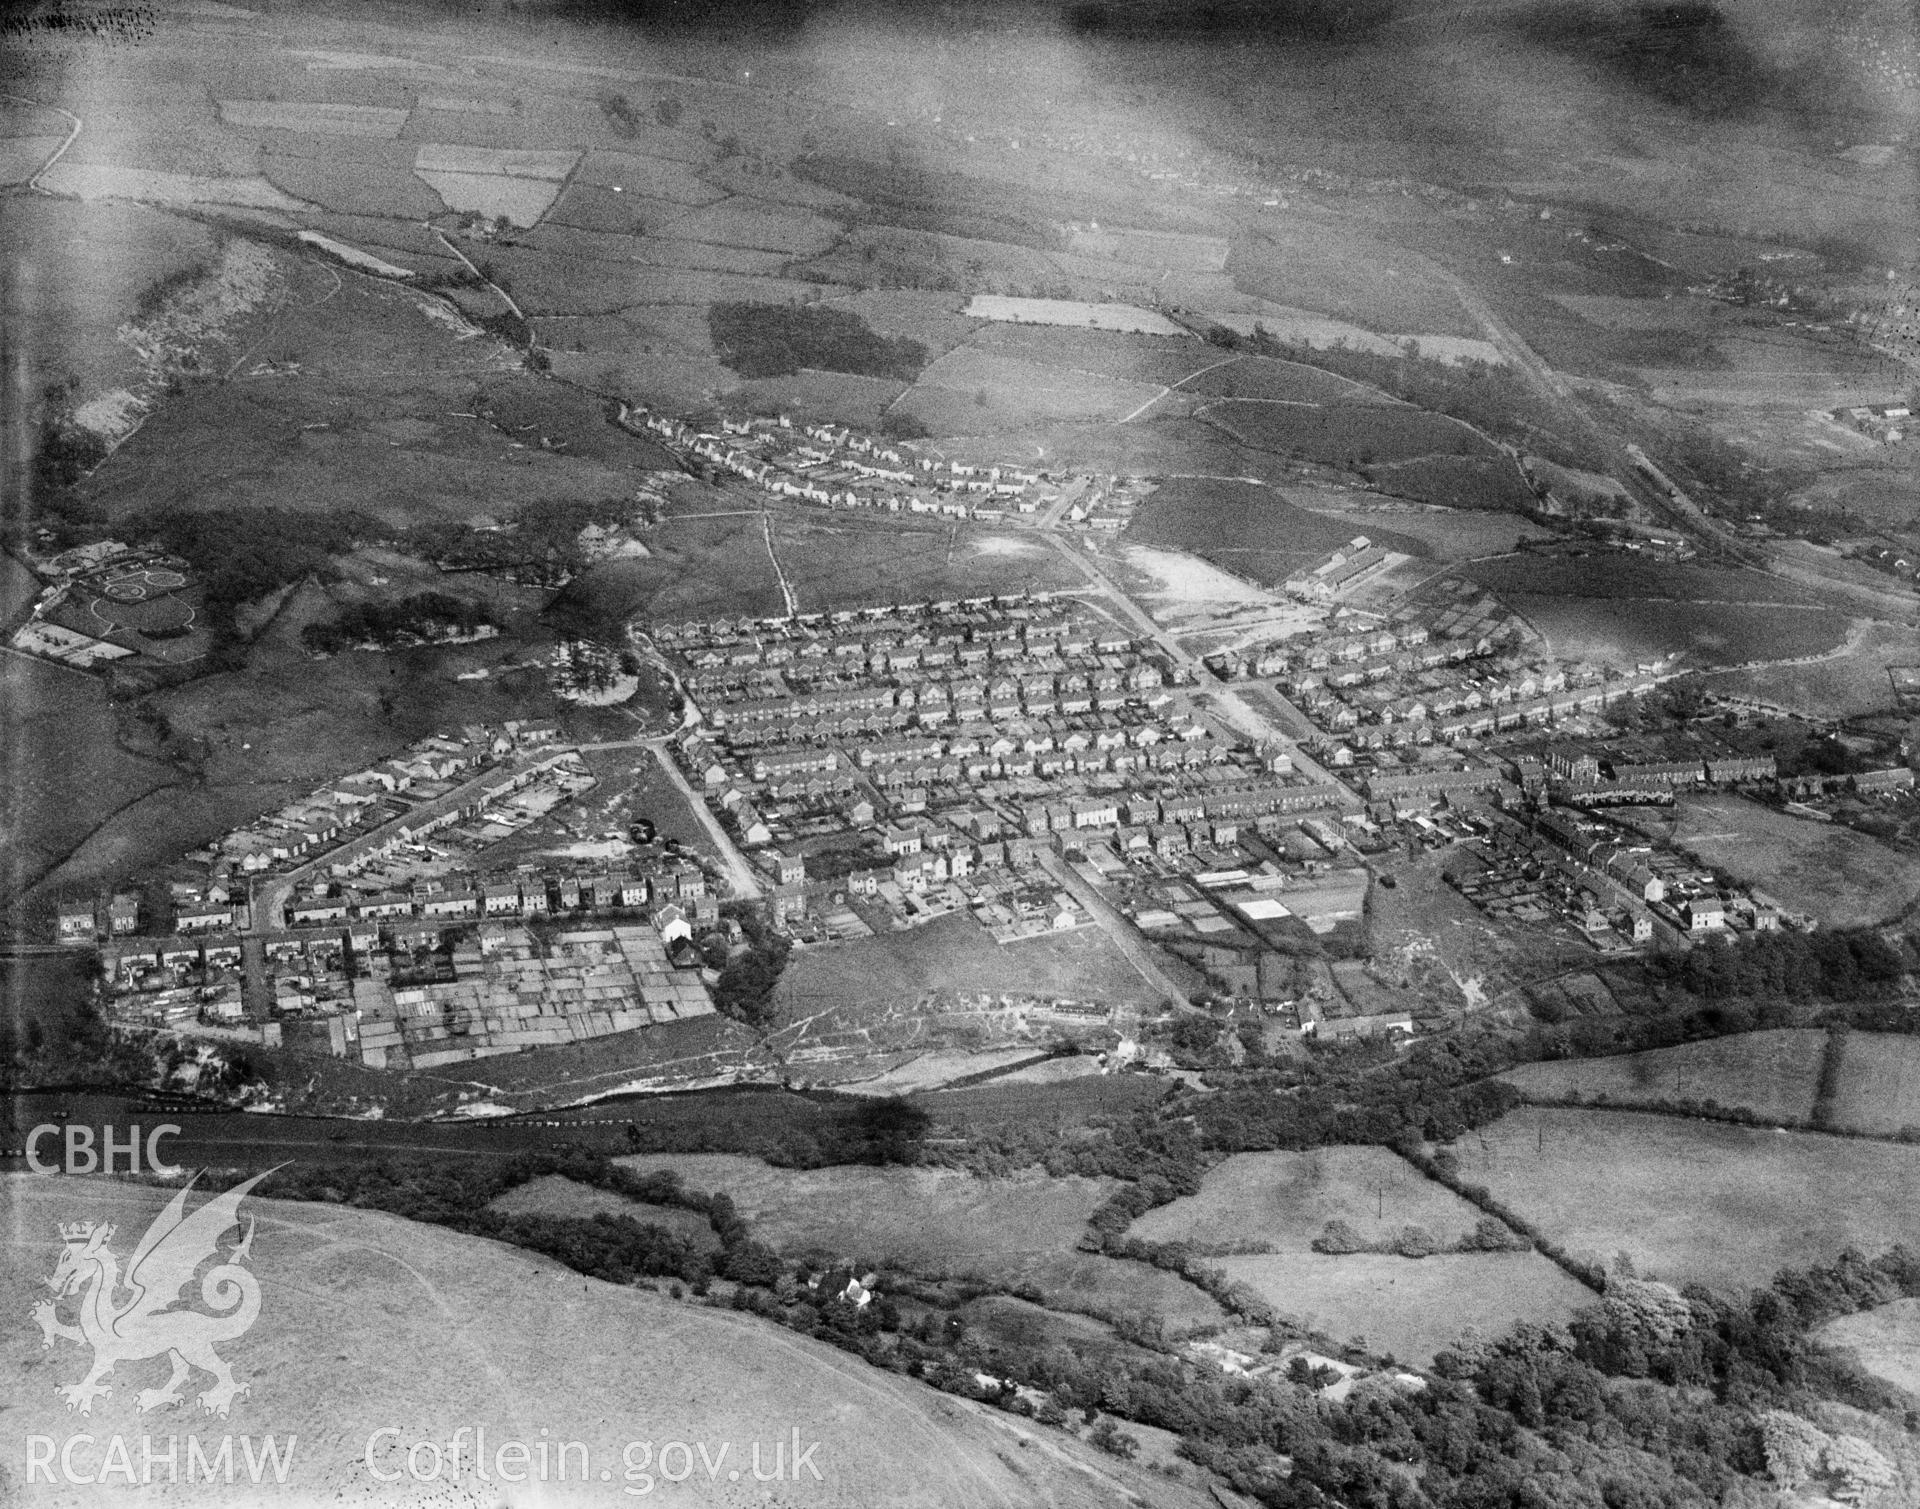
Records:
x=934, y=1221
x=1246, y=527
x=1071, y=312
x=1885, y=1340
x=1284, y=1199
x=1410, y=1308
x=1024, y=387
x=557, y=1195
x=1467, y=483
x=371, y=1321
x=1843, y=878
x=1773, y=1074
x=1695, y=1201
x=1877, y=1087
x=1264, y=378
x=1346, y=434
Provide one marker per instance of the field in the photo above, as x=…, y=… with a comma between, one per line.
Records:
x=1448, y=534
x=1071, y=312
x=1284, y=1199
x=1846, y=686
x=1462, y=482
x=1877, y=1088
x=699, y=567
x=956, y=957
x=1246, y=527
x=1773, y=1074
x=1411, y=1309
x=852, y=559
x=1261, y=378
x=1346, y=435
x=1841, y=877
x=369, y=1321
x=1694, y=1200
x=62, y=772
x=1026, y=388
x=929, y=1220
x=556, y=1195
x=1885, y=1339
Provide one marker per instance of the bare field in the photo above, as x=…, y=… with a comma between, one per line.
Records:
x=1695, y=1200
x=1842, y=877
x=1284, y=1199
x=838, y=560
x=1774, y=1074
x=1411, y=1308
x=956, y=957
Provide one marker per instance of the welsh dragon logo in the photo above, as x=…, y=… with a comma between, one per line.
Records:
x=130, y=1317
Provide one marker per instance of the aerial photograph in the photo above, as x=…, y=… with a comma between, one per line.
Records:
x=960, y=754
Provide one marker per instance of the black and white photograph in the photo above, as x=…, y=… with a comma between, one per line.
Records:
x=954, y=754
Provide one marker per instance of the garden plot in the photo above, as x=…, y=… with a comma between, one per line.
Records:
x=310, y=115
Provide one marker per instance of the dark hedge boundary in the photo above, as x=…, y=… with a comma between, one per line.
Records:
x=1650, y=1398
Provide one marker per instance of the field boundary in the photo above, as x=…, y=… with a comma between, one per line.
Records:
x=1479, y=1195
x=1682, y=1110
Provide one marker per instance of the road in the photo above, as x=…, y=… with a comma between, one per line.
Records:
x=73, y=135
x=1116, y=927
x=740, y=876
x=1230, y=707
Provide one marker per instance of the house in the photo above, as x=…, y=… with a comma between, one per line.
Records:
x=123, y=914
x=670, y=922
x=901, y=842
x=1704, y=915
x=74, y=923
x=788, y=869
x=202, y=917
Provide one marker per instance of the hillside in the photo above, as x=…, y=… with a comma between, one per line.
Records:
x=369, y=1322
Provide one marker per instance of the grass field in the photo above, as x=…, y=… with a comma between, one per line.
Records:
x=369, y=1321
x=1878, y=1085
x=556, y=1195
x=1071, y=312
x=1246, y=527
x=1463, y=482
x=1347, y=434
x=61, y=771
x=1773, y=1074
x=1623, y=632
x=929, y=1220
x=1885, y=1339
x=1847, y=686
x=1695, y=1200
x=850, y=559
x=1260, y=377
x=1841, y=877
x=1027, y=387
x=699, y=568
x=1284, y=1199
x=1409, y=1308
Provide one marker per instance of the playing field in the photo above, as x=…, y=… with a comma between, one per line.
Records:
x=1773, y=1074
x=1695, y=1200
